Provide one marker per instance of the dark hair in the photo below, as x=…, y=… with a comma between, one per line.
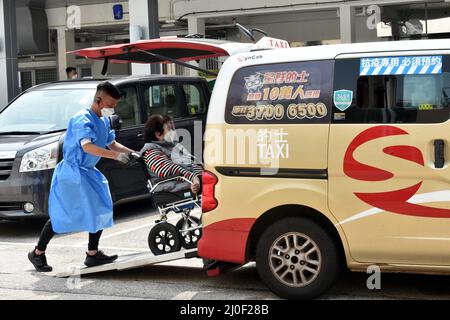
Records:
x=169, y=120
x=70, y=69
x=109, y=89
x=154, y=124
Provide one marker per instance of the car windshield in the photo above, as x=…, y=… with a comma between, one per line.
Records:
x=44, y=111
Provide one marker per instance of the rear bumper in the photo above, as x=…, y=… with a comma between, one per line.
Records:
x=226, y=240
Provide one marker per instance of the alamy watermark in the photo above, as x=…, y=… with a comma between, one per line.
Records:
x=73, y=20
x=374, y=16
x=374, y=280
x=260, y=147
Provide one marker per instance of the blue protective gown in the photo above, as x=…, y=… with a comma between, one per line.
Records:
x=80, y=199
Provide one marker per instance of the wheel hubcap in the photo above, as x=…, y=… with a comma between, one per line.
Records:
x=190, y=236
x=165, y=241
x=295, y=259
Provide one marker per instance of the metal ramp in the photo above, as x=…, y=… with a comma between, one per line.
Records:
x=130, y=261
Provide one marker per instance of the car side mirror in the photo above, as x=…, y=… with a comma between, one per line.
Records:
x=116, y=122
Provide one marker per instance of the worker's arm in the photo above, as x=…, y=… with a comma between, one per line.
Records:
x=115, y=146
x=99, y=152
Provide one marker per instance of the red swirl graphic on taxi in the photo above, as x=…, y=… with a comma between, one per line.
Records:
x=392, y=201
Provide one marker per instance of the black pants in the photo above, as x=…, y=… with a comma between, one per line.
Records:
x=47, y=234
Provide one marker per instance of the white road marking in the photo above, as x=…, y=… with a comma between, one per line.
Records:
x=147, y=225
x=32, y=244
x=119, y=233
x=186, y=295
x=84, y=243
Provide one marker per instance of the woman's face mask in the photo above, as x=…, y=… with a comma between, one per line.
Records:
x=170, y=136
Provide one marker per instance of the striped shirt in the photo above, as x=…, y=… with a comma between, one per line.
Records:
x=162, y=166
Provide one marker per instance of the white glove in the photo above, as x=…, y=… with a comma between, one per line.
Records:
x=123, y=158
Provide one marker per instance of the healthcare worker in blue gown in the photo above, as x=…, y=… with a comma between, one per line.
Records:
x=80, y=199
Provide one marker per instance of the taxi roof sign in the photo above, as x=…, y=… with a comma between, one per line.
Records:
x=271, y=43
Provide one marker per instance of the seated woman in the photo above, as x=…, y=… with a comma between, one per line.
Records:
x=165, y=157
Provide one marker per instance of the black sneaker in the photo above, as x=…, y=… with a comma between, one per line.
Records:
x=39, y=262
x=98, y=259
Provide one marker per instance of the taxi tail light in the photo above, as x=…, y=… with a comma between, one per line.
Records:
x=209, y=181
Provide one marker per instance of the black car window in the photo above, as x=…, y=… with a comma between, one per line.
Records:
x=296, y=92
x=128, y=107
x=161, y=99
x=395, y=90
x=195, y=99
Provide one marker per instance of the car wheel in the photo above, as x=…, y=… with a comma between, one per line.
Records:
x=297, y=259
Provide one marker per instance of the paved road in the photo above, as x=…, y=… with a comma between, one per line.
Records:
x=175, y=280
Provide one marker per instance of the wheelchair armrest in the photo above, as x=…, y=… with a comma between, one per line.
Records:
x=171, y=178
x=155, y=182
x=168, y=179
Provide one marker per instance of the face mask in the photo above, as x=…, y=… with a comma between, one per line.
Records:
x=107, y=112
x=170, y=136
x=75, y=77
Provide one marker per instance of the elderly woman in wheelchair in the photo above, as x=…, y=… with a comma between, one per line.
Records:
x=174, y=181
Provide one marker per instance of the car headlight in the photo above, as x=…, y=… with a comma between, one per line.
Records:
x=43, y=158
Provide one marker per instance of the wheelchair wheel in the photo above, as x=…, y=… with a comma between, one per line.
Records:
x=189, y=239
x=164, y=238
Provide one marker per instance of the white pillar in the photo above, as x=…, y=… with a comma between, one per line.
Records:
x=143, y=26
x=9, y=74
x=347, y=23
x=66, y=43
x=196, y=26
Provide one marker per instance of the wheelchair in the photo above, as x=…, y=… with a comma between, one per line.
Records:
x=172, y=194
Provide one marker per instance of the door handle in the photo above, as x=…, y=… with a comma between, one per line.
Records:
x=140, y=135
x=439, y=158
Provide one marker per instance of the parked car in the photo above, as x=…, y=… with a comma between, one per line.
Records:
x=33, y=125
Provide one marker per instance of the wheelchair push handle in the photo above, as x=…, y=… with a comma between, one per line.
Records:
x=135, y=156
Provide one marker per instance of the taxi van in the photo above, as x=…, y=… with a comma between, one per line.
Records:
x=325, y=157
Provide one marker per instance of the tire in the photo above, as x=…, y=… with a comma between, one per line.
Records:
x=322, y=262
x=189, y=239
x=164, y=238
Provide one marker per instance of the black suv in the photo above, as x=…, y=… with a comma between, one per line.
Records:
x=32, y=129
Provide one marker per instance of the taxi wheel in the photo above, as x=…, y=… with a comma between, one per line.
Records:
x=189, y=239
x=164, y=238
x=297, y=259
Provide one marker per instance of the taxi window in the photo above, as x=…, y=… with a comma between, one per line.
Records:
x=393, y=93
x=297, y=92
